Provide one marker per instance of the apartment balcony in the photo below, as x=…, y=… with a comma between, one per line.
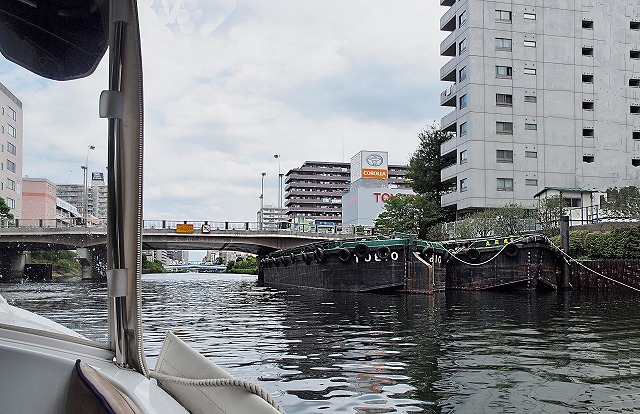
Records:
x=449, y=199
x=448, y=3
x=449, y=145
x=448, y=96
x=449, y=173
x=448, y=71
x=448, y=20
x=448, y=122
x=448, y=45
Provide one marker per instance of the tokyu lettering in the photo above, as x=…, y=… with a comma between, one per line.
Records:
x=384, y=197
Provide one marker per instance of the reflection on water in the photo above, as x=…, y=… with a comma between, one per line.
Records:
x=369, y=353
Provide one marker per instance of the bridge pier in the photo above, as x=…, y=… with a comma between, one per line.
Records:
x=93, y=261
x=12, y=264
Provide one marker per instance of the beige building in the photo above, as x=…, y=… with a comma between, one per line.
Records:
x=11, y=135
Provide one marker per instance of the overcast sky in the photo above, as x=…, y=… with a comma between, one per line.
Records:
x=228, y=84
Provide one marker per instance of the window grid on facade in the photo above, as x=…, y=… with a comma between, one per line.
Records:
x=634, y=54
x=503, y=43
x=529, y=16
x=11, y=185
x=587, y=105
x=503, y=15
x=503, y=71
x=530, y=98
x=587, y=78
x=503, y=99
x=530, y=126
x=531, y=154
x=504, y=156
x=505, y=184
x=462, y=74
x=463, y=101
x=11, y=113
x=529, y=43
x=11, y=149
x=587, y=24
x=504, y=127
x=462, y=46
x=463, y=185
x=529, y=71
x=634, y=25
x=634, y=82
x=462, y=19
x=11, y=130
x=463, y=128
x=587, y=132
x=588, y=158
x=11, y=166
x=530, y=181
x=587, y=51
x=463, y=156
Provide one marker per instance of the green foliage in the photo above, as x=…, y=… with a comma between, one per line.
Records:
x=622, y=202
x=426, y=162
x=620, y=243
x=502, y=221
x=152, y=266
x=219, y=260
x=409, y=214
x=4, y=211
x=550, y=211
x=64, y=262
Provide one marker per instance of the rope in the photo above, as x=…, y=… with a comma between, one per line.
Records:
x=453, y=254
x=569, y=259
x=220, y=382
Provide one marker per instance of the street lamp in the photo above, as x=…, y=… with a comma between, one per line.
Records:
x=262, y=202
x=85, y=167
x=277, y=156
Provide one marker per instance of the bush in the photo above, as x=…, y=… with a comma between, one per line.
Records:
x=620, y=243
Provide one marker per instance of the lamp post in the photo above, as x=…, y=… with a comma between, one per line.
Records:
x=262, y=202
x=85, y=203
x=277, y=156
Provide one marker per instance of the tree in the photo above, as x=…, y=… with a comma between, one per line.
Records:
x=426, y=162
x=550, y=211
x=510, y=219
x=409, y=213
x=4, y=211
x=622, y=202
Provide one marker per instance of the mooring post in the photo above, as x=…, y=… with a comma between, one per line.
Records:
x=564, y=243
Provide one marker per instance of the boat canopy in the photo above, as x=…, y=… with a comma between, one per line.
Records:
x=56, y=39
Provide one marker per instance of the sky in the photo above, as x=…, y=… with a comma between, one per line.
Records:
x=230, y=83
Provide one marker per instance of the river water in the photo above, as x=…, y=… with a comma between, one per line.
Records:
x=462, y=352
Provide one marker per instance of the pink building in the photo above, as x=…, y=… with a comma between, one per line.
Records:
x=38, y=202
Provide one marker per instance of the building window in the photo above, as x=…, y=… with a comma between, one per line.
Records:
x=634, y=135
x=503, y=44
x=531, y=126
x=462, y=46
x=530, y=98
x=463, y=128
x=11, y=149
x=634, y=109
x=587, y=24
x=587, y=51
x=463, y=157
x=504, y=128
x=11, y=185
x=11, y=130
x=634, y=25
x=573, y=202
x=529, y=16
x=634, y=82
x=531, y=154
x=529, y=71
x=503, y=99
x=530, y=181
x=463, y=74
x=11, y=166
x=635, y=162
x=11, y=113
x=588, y=158
x=11, y=202
x=463, y=185
x=634, y=54
x=587, y=132
x=503, y=15
x=505, y=184
x=587, y=105
x=503, y=71
x=462, y=19
x=463, y=101
x=529, y=43
x=504, y=156
x=587, y=78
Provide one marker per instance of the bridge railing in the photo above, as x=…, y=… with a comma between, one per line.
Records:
x=48, y=223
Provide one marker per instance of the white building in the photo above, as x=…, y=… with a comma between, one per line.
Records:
x=11, y=130
x=543, y=94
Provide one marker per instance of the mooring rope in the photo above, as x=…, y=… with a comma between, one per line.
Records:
x=220, y=382
x=453, y=254
x=571, y=259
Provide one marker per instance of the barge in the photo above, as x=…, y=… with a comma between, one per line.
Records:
x=403, y=263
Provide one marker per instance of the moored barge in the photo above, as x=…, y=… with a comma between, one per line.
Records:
x=406, y=264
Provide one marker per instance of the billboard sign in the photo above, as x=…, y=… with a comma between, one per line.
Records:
x=370, y=164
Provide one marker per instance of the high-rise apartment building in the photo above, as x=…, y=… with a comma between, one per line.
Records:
x=543, y=94
x=11, y=129
x=96, y=196
x=313, y=192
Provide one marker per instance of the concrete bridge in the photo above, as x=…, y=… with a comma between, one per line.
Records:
x=90, y=242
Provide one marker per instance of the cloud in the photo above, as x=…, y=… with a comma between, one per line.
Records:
x=230, y=83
